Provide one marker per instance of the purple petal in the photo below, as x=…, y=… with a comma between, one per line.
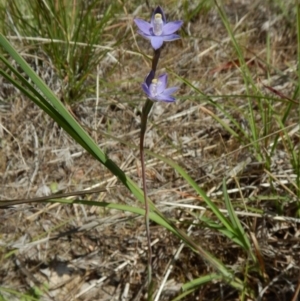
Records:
x=171, y=37
x=157, y=41
x=159, y=10
x=143, y=26
x=144, y=35
x=163, y=80
x=171, y=90
x=146, y=89
x=149, y=78
x=171, y=27
x=165, y=98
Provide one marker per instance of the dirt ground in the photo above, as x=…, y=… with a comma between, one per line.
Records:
x=75, y=252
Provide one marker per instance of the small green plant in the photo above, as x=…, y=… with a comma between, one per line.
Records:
x=72, y=35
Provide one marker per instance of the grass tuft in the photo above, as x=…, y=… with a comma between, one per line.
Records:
x=68, y=32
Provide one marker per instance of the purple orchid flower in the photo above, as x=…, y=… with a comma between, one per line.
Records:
x=158, y=30
x=156, y=89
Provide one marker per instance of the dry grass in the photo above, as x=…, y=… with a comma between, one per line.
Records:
x=84, y=253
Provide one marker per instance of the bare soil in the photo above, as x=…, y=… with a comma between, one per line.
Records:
x=76, y=252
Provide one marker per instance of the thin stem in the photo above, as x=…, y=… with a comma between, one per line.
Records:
x=145, y=112
x=146, y=203
x=155, y=59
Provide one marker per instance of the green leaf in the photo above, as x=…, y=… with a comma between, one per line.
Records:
x=238, y=230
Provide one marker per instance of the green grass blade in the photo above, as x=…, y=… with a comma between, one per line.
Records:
x=191, y=286
x=85, y=140
x=239, y=231
x=219, y=108
x=193, y=184
x=199, y=281
x=39, y=100
x=247, y=79
x=297, y=161
x=220, y=228
x=155, y=216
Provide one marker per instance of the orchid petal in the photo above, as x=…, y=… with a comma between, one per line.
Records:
x=156, y=41
x=159, y=10
x=165, y=98
x=171, y=27
x=144, y=35
x=158, y=32
x=171, y=37
x=160, y=92
x=162, y=79
x=143, y=26
x=146, y=89
x=149, y=78
x=171, y=90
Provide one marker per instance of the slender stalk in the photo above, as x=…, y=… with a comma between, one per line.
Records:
x=145, y=112
x=148, y=104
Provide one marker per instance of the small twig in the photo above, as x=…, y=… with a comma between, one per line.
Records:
x=272, y=282
x=278, y=93
x=5, y=203
x=36, y=159
x=296, y=292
